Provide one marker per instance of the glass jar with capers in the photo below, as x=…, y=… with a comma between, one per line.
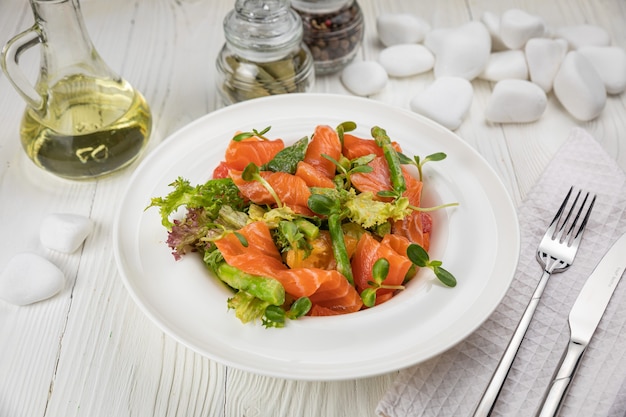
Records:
x=333, y=31
x=264, y=53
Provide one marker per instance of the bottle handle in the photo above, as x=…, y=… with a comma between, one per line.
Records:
x=9, y=60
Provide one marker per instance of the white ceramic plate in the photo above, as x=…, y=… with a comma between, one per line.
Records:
x=478, y=241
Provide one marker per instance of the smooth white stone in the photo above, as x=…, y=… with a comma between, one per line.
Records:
x=446, y=101
x=516, y=101
x=400, y=28
x=64, y=232
x=460, y=52
x=610, y=63
x=584, y=35
x=544, y=57
x=505, y=65
x=29, y=278
x=579, y=88
x=364, y=78
x=406, y=60
x=518, y=26
x=492, y=23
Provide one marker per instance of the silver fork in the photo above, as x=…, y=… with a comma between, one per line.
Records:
x=555, y=253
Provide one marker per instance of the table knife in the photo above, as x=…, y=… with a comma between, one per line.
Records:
x=583, y=321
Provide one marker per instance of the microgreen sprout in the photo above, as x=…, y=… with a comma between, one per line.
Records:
x=347, y=167
x=299, y=308
x=275, y=315
x=290, y=237
x=419, y=163
x=419, y=257
x=245, y=135
x=433, y=208
x=251, y=173
x=380, y=270
x=343, y=128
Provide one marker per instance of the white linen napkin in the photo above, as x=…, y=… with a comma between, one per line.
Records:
x=452, y=383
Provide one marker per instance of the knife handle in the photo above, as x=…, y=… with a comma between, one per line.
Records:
x=553, y=399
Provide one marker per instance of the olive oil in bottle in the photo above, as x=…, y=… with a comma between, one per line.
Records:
x=82, y=120
x=90, y=127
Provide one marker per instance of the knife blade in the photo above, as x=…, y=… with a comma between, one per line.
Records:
x=583, y=321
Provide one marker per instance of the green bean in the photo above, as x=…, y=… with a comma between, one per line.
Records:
x=393, y=160
x=265, y=288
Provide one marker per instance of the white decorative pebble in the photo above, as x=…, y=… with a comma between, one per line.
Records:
x=460, y=52
x=610, y=63
x=516, y=101
x=364, y=78
x=445, y=101
x=505, y=65
x=29, y=278
x=584, y=35
x=406, y=60
x=579, y=88
x=492, y=23
x=64, y=232
x=518, y=26
x=400, y=28
x=544, y=57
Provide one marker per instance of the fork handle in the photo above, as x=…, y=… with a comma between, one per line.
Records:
x=492, y=392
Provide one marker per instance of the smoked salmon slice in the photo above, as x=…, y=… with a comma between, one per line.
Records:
x=328, y=289
x=241, y=153
x=312, y=176
x=291, y=190
x=416, y=226
x=374, y=181
x=355, y=147
x=368, y=251
x=324, y=141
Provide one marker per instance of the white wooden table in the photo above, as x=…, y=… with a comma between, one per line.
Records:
x=89, y=351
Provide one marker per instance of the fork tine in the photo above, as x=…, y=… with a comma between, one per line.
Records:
x=562, y=229
x=556, y=220
x=570, y=235
x=581, y=229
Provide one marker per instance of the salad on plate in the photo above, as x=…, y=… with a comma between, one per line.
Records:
x=324, y=226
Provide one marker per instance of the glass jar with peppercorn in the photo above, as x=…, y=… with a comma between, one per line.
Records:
x=264, y=53
x=333, y=30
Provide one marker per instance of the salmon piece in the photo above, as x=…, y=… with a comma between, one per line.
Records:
x=319, y=311
x=312, y=176
x=374, y=181
x=328, y=289
x=291, y=190
x=368, y=251
x=413, y=188
x=260, y=247
x=415, y=227
x=253, y=149
x=324, y=141
x=355, y=147
x=396, y=242
x=379, y=179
